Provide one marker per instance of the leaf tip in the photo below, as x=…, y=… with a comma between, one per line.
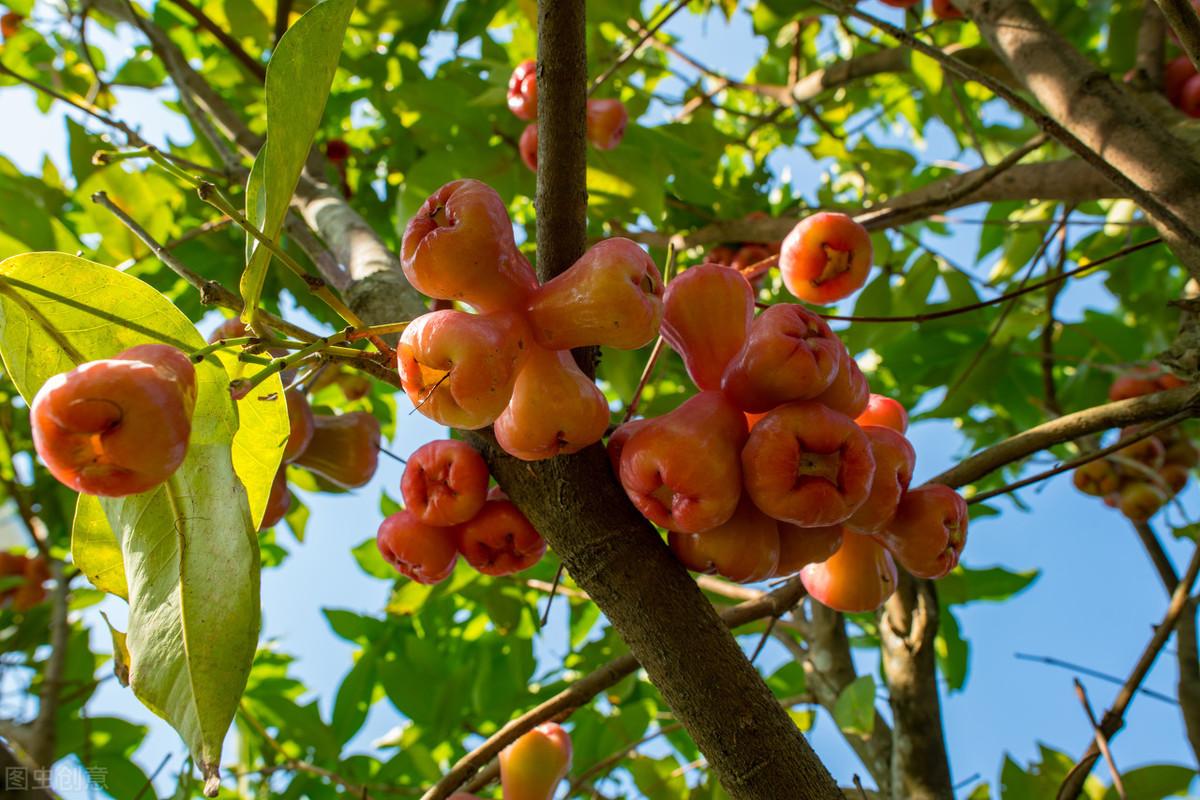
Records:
x=212, y=778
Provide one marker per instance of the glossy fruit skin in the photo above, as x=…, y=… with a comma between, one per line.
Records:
x=616, y=441
x=459, y=369
x=946, y=10
x=1189, y=97
x=789, y=354
x=1141, y=500
x=300, y=423
x=278, y=501
x=849, y=393
x=344, y=448
x=1142, y=380
x=859, y=577
x=500, y=540
x=682, y=470
x=424, y=553
x=799, y=547
x=527, y=146
x=1098, y=478
x=706, y=317
x=748, y=255
x=522, y=90
x=606, y=121
x=884, y=411
x=895, y=459
x=722, y=254
x=612, y=296
x=929, y=531
x=118, y=426
x=460, y=246
x=825, y=258
x=532, y=766
x=555, y=408
x=744, y=549
x=808, y=465
x=1177, y=72
x=445, y=482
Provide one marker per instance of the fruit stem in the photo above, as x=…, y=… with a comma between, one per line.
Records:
x=631, y=409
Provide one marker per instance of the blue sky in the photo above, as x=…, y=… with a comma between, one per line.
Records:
x=1094, y=604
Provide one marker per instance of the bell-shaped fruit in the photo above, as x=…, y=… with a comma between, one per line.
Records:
x=300, y=424
x=500, y=540
x=606, y=121
x=445, y=482
x=946, y=10
x=682, y=469
x=522, y=90
x=618, y=438
x=884, y=411
x=706, y=317
x=745, y=548
x=460, y=246
x=458, y=369
x=278, y=501
x=1175, y=477
x=611, y=296
x=894, y=461
x=825, y=258
x=1098, y=478
x=790, y=354
x=849, y=393
x=808, y=465
x=555, y=408
x=1177, y=72
x=118, y=426
x=532, y=766
x=929, y=531
x=424, y=553
x=1141, y=458
x=859, y=577
x=527, y=146
x=1141, y=500
x=344, y=448
x=799, y=547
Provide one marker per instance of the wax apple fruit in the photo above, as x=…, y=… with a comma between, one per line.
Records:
x=458, y=369
x=929, y=530
x=10, y=24
x=1175, y=477
x=1141, y=500
x=522, y=90
x=500, y=540
x=300, y=425
x=611, y=296
x=799, y=547
x=706, y=317
x=808, y=465
x=1189, y=97
x=532, y=766
x=278, y=501
x=618, y=438
x=789, y=354
x=743, y=549
x=1098, y=478
x=445, y=482
x=424, y=553
x=884, y=411
x=682, y=469
x=825, y=258
x=118, y=426
x=1177, y=72
x=606, y=121
x=344, y=448
x=894, y=462
x=527, y=146
x=859, y=577
x=460, y=246
x=945, y=10
x=849, y=393
x=555, y=409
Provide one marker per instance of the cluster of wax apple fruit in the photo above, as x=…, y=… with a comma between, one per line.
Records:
x=784, y=461
x=341, y=448
x=449, y=511
x=606, y=119
x=33, y=574
x=1141, y=478
x=532, y=767
x=510, y=365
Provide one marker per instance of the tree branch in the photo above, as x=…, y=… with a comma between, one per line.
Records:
x=1181, y=16
x=252, y=65
x=43, y=735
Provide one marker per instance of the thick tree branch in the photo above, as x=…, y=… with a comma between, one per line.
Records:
x=1181, y=16
x=1151, y=47
x=16, y=777
x=43, y=734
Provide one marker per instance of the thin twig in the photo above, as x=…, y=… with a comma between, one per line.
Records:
x=1093, y=673
x=1101, y=740
x=633, y=49
x=253, y=65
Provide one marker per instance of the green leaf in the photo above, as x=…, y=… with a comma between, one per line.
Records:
x=854, y=711
x=120, y=646
x=354, y=697
x=965, y=585
x=298, y=79
x=189, y=547
x=262, y=432
x=95, y=549
x=953, y=651
x=1154, y=782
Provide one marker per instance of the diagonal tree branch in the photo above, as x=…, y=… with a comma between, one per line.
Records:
x=1181, y=16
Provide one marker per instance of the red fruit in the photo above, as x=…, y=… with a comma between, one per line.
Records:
x=1175, y=477
x=808, y=465
x=789, y=354
x=460, y=246
x=527, y=146
x=799, y=547
x=1182, y=453
x=706, y=316
x=424, y=553
x=721, y=254
x=611, y=296
x=859, y=577
x=445, y=482
x=344, y=448
x=354, y=387
x=300, y=422
x=682, y=470
x=32, y=591
x=118, y=426
x=894, y=462
x=849, y=393
x=1189, y=97
x=825, y=258
x=458, y=369
x=337, y=150
x=10, y=24
x=901, y=3
x=499, y=540
x=929, y=530
x=532, y=766
x=606, y=121
x=1098, y=478
x=1168, y=381
x=750, y=254
x=1149, y=453
x=1141, y=500
x=743, y=549
x=1178, y=71
x=232, y=328
x=522, y=90
x=1139, y=381
x=884, y=411
x=616, y=442
x=555, y=408
x=278, y=501
x=945, y=10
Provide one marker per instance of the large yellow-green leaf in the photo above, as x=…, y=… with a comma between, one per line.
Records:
x=189, y=547
x=298, y=79
x=95, y=548
x=262, y=432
